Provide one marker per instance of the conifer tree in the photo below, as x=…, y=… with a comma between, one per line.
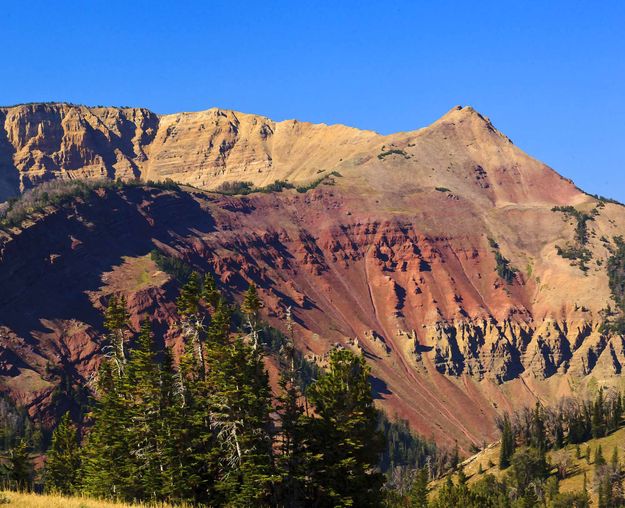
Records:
x=105, y=462
x=20, y=467
x=250, y=307
x=538, y=438
x=507, y=444
x=599, y=459
x=116, y=323
x=210, y=293
x=344, y=439
x=240, y=405
x=419, y=490
x=191, y=318
x=598, y=416
x=293, y=461
x=145, y=417
x=63, y=461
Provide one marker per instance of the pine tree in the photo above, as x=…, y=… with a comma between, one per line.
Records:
x=558, y=438
x=20, y=467
x=116, y=323
x=240, y=410
x=599, y=459
x=144, y=414
x=63, y=461
x=614, y=463
x=455, y=457
x=250, y=307
x=191, y=318
x=105, y=462
x=507, y=444
x=294, y=459
x=210, y=293
x=419, y=490
x=598, y=417
x=538, y=438
x=343, y=437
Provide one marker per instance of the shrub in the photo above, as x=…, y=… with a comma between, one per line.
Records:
x=394, y=151
x=175, y=267
x=236, y=187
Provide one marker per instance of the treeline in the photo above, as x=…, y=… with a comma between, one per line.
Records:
x=16, y=426
x=206, y=429
x=570, y=422
x=242, y=188
x=61, y=192
x=615, y=319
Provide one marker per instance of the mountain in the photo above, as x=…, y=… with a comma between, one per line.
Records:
x=472, y=276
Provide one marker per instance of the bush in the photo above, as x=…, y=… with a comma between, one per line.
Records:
x=175, y=267
x=394, y=151
x=236, y=187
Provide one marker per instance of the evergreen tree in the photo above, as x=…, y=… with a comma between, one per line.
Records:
x=116, y=323
x=538, y=439
x=210, y=293
x=455, y=457
x=105, y=462
x=598, y=417
x=293, y=461
x=240, y=403
x=528, y=467
x=250, y=307
x=63, y=461
x=558, y=434
x=20, y=469
x=144, y=414
x=599, y=459
x=344, y=439
x=419, y=491
x=507, y=444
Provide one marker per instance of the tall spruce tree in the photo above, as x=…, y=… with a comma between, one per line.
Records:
x=598, y=416
x=63, y=461
x=293, y=461
x=143, y=398
x=20, y=468
x=344, y=440
x=507, y=443
x=116, y=323
x=106, y=460
x=240, y=402
x=538, y=439
x=250, y=307
x=419, y=489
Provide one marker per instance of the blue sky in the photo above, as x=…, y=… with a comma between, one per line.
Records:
x=549, y=74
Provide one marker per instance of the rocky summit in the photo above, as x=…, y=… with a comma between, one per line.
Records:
x=472, y=276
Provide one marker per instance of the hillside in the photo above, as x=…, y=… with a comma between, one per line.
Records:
x=576, y=468
x=434, y=251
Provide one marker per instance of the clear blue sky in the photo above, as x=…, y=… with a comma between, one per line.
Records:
x=550, y=74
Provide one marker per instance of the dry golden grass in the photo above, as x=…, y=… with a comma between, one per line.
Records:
x=26, y=500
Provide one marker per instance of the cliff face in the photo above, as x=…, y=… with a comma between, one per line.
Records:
x=397, y=257
x=39, y=142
